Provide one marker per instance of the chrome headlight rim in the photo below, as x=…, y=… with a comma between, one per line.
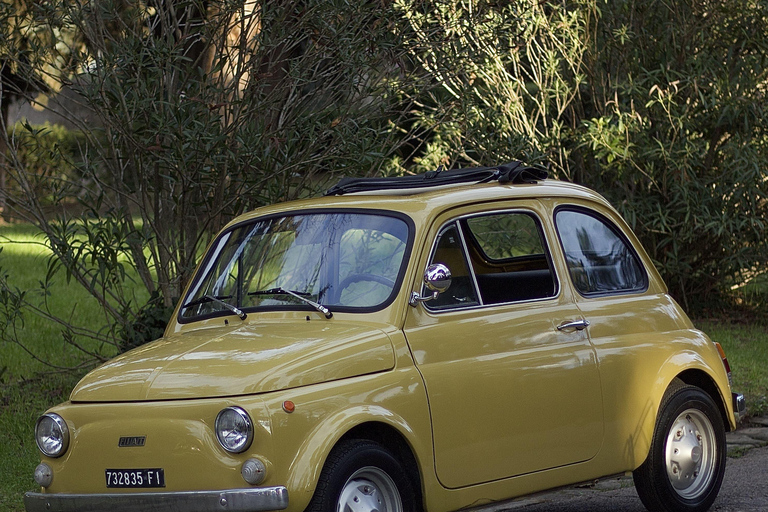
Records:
x=62, y=439
x=244, y=439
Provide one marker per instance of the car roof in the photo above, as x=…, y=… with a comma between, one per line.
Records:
x=423, y=201
x=512, y=172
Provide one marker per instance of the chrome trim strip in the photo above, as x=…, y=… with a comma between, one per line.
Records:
x=739, y=406
x=467, y=260
x=234, y=500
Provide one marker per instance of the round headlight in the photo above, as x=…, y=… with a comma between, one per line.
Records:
x=234, y=429
x=52, y=435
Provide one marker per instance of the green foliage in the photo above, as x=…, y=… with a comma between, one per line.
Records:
x=149, y=324
x=46, y=323
x=194, y=111
x=50, y=154
x=202, y=110
x=505, y=76
x=753, y=291
x=674, y=133
x=746, y=346
x=657, y=105
x=21, y=402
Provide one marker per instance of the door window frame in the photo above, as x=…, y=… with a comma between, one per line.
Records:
x=456, y=221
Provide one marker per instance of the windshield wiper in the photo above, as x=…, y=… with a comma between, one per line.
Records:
x=302, y=296
x=210, y=298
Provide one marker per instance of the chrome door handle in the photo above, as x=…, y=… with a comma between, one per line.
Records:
x=579, y=325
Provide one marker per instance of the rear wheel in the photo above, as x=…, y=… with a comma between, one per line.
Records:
x=363, y=476
x=686, y=463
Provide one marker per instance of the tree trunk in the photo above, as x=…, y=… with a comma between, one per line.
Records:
x=3, y=156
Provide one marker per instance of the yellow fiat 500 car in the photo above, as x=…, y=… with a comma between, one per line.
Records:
x=432, y=342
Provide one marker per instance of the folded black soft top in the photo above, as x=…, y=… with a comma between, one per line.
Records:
x=513, y=172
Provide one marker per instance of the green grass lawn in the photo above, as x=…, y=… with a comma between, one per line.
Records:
x=24, y=260
x=21, y=402
x=28, y=387
x=746, y=346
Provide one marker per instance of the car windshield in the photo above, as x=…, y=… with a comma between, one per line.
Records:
x=342, y=261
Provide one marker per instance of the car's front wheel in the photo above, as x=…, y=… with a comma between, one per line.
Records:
x=686, y=463
x=363, y=476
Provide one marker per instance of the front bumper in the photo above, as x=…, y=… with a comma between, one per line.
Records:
x=739, y=406
x=235, y=500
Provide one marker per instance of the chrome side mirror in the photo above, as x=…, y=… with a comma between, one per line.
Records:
x=437, y=279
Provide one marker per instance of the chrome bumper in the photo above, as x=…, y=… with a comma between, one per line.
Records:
x=235, y=500
x=739, y=406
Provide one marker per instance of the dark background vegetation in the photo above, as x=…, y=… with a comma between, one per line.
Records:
x=181, y=114
x=185, y=113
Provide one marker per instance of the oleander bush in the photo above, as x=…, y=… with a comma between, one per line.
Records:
x=191, y=112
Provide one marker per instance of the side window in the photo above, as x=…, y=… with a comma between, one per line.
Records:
x=599, y=259
x=508, y=256
x=449, y=252
x=503, y=237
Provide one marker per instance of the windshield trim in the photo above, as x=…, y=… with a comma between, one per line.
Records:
x=215, y=247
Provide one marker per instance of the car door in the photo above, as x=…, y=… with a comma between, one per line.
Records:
x=631, y=317
x=511, y=376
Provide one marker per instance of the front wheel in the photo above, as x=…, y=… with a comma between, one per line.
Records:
x=362, y=476
x=686, y=463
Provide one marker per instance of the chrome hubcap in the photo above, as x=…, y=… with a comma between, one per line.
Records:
x=369, y=489
x=691, y=454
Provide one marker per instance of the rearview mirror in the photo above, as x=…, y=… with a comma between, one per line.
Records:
x=437, y=279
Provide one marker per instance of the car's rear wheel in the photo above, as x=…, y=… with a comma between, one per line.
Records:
x=686, y=463
x=363, y=476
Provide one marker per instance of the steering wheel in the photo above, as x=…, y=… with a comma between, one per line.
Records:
x=355, y=278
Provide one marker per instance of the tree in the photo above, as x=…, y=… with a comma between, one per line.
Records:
x=17, y=38
x=673, y=130
x=207, y=109
x=657, y=105
x=507, y=75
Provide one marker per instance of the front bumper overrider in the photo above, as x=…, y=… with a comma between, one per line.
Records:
x=739, y=406
x=234, y=500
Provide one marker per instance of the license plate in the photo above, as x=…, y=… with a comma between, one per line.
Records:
x=135, y=478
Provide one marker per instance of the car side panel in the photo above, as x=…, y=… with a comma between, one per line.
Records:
x=642, y=344
x=324, y=413
x=509, y=394
x=502, y=378
x=643, y=341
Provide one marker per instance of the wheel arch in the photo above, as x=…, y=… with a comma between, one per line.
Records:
x=702, y=380
x=392, y=439
x=367, y=423
x=674, y=374
x=697, y=486
x=694, y=377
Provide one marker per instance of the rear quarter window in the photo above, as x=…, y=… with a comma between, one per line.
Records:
x=600, y=258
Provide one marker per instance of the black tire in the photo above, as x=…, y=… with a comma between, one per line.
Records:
x=686, y=463
x=362, y=471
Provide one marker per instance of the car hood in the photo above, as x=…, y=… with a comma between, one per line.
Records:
x=239, y=360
